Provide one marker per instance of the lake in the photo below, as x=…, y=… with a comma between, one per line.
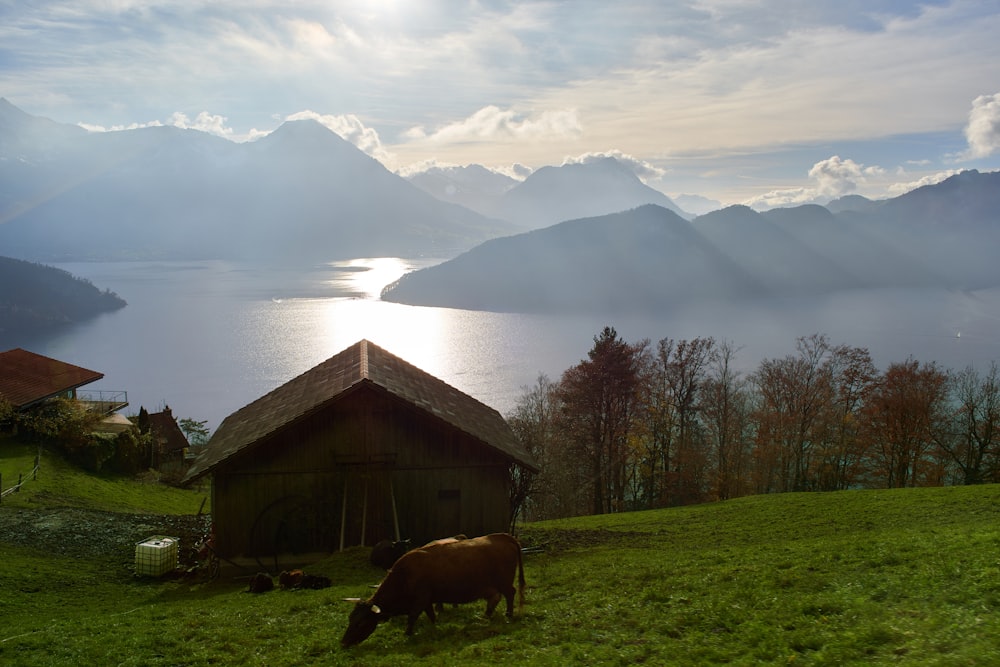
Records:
x=208, y=337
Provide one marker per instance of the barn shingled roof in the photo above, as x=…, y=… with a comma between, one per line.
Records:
x=362, y=362
x=27, y=378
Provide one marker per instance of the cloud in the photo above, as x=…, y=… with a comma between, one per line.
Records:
x=983, y=130
x=516, y=171
x=834, y=177
x=493, y=124
x=350, y=128
x=901, y=188
x=641, y=168
x=203, y=122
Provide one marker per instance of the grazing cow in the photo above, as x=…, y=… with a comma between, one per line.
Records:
x=482, y=568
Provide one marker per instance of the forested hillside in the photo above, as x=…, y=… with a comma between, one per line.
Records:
x=36, y=298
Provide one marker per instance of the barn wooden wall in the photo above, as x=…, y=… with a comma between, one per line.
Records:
x=287, y=495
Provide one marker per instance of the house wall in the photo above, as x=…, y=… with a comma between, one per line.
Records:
x=330, y=480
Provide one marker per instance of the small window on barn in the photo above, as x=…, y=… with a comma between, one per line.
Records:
x=449, y=494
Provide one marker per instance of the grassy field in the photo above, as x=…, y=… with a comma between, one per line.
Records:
x=908, y=577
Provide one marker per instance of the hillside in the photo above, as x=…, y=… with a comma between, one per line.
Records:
x=942, y=236
x=902, y=577
x=35, y=298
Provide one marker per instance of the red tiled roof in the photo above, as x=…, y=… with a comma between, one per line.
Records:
x=362, y=362
x=27, y=378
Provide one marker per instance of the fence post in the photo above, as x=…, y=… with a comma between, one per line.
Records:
x=34, y=473
x=1, y=487
x=18, y=487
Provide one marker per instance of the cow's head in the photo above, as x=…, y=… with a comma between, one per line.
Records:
x=363, y=620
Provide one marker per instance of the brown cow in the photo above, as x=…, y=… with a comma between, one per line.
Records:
x=460, y=571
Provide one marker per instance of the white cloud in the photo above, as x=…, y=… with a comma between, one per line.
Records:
x=834, y=177
x=204, y=122
x=641, y=168
x=350, y=128
x=493, y=124
x=516, y=171
x=983, y=130
x=896, y=189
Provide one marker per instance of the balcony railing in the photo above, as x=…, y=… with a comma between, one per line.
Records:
x=104, y=402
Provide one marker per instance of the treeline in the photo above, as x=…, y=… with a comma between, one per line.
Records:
x=643, y=425
x=35, y=297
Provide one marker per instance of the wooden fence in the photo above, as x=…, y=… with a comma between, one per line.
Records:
x=21, y=479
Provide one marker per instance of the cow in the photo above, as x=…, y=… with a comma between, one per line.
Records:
x=482, y=568
x=387, y=552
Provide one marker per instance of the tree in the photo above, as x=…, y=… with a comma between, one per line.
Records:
x=195, y=431
x=674, y=459
x=843, y=455
x=725, y=411
x=796, y=393
x=598, y=399
x=973, y=438
x=542, y=495
x=903, y=419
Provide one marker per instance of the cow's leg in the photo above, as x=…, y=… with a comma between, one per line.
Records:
x=411, y=621
x=509, y=594
x=492, y=600
x=430, y=613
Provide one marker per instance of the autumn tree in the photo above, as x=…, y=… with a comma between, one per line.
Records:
x=674, y=458
x=903, y=419
x=795, y=393
x=843, y=455
x=598, y=400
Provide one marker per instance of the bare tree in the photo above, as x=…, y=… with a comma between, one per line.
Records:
x=973, y=439
x=550, y=493
x=725, y=411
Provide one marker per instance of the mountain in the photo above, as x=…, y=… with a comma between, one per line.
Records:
x=302, y=193
x=649, y=258
x=473, y=186
x=36, y=298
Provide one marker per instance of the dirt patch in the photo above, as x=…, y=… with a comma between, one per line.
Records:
x=93, y=534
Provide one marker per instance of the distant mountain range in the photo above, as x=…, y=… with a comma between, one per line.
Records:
x=548, y=195
x=943, y=235
x=301, y=193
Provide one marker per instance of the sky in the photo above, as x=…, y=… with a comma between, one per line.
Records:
x=765, y=103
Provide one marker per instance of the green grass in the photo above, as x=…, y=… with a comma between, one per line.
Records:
x=61, y=484
x=903, y=577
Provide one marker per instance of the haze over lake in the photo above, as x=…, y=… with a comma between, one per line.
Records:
x=208, y=337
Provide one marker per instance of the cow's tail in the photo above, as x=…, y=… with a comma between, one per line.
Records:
x=520, y=580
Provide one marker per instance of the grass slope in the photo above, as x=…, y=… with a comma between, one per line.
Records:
x=870, y=577
x=60, y=484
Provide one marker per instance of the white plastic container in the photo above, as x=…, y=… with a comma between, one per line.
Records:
x=155, y=556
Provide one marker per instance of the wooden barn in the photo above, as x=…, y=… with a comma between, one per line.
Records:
x=360, y=448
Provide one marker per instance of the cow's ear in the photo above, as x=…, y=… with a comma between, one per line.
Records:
x=376, y=609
